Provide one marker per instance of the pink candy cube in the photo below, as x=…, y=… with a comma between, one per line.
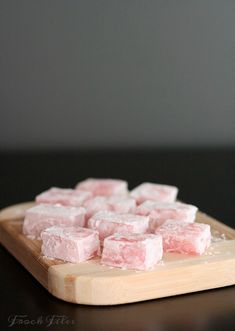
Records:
x=62, y=196
x=185, y=238
x=72, y=244
x=103, y=186
x=156, y=192
x=108, y=223
x=132, y=251
x=114, y=203
x=160, y=212
x=121, y=204
x=41, y=217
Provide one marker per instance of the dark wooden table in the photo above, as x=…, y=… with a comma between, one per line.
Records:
x=206, y=178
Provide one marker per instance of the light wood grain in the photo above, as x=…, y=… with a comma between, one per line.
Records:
x=94, y=284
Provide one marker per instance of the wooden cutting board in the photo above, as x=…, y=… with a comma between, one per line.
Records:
x=93, y=284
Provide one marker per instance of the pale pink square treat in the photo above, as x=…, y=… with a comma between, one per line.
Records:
x=42, y=216
x=156, y=192
x=114, y=203
x=70, y=243
x=63, y=196
x=122, y=204
x=185, y=238
x=132, y=251
x=104, y=187
x=94, y=205
x=108, y=223
x=159, y=212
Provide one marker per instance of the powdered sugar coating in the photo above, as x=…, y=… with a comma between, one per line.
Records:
x=159, y=212
x=132, y=251
x=103, y=187
x=73, y=244
x=114, y=203
x=108, y=223
x=42, y=216
x=185, y=238
x=66, y=197
x=156, y=192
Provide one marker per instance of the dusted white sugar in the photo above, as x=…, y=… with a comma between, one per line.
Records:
x=108, y=223
x=159, y=212
x=132, y=251
x=114, y=203
x=103, y=187
x=186, y=238
x=121, y=204
x=63, y=196
x=70, y=243
x=42, y=216
x=156, y=192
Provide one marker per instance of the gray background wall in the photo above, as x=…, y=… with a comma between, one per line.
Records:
x=117, y=73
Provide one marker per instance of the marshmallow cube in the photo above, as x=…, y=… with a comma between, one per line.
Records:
x=105, y=187
x=40, y=217
x=72, y=244
x=63, y=196
x=160, y=212
x=132, y=251
x=185, y=238
x=107, y=223
x=156, y=192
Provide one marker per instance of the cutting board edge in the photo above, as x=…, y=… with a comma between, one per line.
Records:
x=104, y=291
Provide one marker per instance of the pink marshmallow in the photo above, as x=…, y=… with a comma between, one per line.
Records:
x=108, y=223
x=103, y=187
x=72, y=244
x=132, y=251
x=160, y=212
x=156, y=192
x=185, y=238
x=113, y=203
x=40, y=217
x=62, y=196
